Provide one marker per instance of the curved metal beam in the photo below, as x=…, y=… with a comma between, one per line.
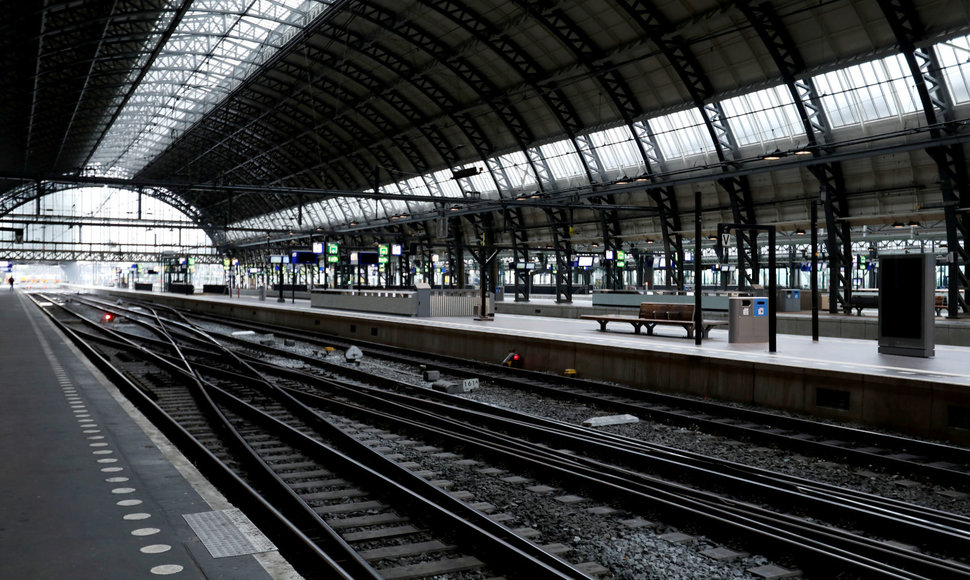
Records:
x=950, y=160
x=783, y=50
x=678, y=53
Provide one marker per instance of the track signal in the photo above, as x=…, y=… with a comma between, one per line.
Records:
x=513, y=360
x=108, y=317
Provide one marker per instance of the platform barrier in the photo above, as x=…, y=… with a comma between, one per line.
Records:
x=422, y=302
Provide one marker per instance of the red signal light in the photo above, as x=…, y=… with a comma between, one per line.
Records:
x=108, y=317
x=513, y=360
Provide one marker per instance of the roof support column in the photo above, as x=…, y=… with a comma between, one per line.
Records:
x=950, y=161
x=779, y=43
x=666, y=200
x=560, y=221
x=520, y=253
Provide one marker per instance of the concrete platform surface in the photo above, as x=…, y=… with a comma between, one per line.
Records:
x=949, y=365
x=85, y=492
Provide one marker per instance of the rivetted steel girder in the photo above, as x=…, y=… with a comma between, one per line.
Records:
x=780, y=45
x=34, y=191
x=456, y=253
x=476, y=136
x=146, y=66
x=520, y=253
x=560, y=220
x=52, y=254
x=678, y=53
x=951, y=164
x=587, y=53
x=482, y=247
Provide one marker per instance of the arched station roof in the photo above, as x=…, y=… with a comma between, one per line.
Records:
x=265, y=112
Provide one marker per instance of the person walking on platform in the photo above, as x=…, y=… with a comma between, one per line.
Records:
x=10, y=281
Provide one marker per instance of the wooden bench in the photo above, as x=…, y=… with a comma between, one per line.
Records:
x=864, y=300
x=654, y=314
x=939, y=304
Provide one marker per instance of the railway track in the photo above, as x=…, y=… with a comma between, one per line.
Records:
x=336, y=495
x=941, y=463
x=630, y=473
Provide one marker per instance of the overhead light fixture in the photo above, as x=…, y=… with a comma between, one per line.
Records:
x=466, y=172
x=799, y=232
x=773, y=156
x=913, y=224
x=898, y=225
x=643, y=177
x=623, y=180
x=802, y=152
x=649, y=241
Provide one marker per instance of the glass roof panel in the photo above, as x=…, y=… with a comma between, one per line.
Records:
x=955, y=60
x=868, y=91
x=682, y=134
x=215, y=46
x=563, y=160
x=763, y=117
x=108, y=219
x=519, y=171
x=618, y=151
x=851, y=96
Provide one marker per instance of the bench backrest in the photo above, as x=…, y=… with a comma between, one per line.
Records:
x=662, y=311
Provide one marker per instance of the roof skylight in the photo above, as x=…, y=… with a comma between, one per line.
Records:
x=216, y=45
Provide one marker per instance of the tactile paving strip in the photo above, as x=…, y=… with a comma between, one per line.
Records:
x=228, y=533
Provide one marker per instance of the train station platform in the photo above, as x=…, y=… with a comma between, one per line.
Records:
x=88, y=489
x=837, y=378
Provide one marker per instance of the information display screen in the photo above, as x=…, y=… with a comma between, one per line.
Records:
x=303, y=258
x=901, y=288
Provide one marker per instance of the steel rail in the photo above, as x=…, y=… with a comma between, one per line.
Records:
x=710, y=416
x=934, y=570
x=520, y=555
x=875, y=558
x=296, y=545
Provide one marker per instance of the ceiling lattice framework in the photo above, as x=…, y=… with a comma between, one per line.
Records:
x=387, y=95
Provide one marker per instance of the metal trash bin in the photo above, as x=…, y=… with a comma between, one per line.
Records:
x=747, y=319
x=788, y=300
x=262, y=293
